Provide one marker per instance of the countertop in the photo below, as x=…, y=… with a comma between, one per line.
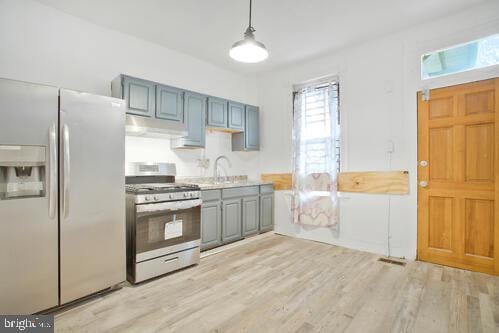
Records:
x=219, y=186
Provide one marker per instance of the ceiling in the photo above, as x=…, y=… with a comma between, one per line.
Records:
x=292, y=30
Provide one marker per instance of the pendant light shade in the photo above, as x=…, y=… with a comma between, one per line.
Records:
x=249, y=50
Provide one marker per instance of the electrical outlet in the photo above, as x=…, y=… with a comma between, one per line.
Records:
x=204, y=163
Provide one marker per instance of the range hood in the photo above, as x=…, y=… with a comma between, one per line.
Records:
x=150, y=127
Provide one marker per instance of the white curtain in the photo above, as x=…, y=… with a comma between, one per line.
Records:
x=316, y=155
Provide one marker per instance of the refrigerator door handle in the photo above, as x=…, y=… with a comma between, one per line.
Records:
x=52, y=191
x=66, y=171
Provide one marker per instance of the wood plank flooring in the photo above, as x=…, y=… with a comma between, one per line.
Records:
x=282, y=284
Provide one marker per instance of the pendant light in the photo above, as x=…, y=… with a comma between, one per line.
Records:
x=249, y=50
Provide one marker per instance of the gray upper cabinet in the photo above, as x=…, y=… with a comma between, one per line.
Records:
x=236, y=116
x=169, y=103
x=266, y=212
x=217, y=113
x=251, y=216
x=211, y=225
x=231, y=220
x=252, y=128
x=250, y=138
x=140, y=96
x=194, y=118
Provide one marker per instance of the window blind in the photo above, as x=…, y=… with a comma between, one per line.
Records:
x=320, y=119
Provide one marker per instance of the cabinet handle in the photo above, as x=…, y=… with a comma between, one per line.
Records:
x=423, y=183
x=170, y=260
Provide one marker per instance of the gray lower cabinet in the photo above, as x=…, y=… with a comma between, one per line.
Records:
x=169, y=103
x=194, y=118
x=230, y=214
x=251, y=216
x=231, y=220
x=266, y=212
x=211, y=225
x=139, y=95
x=236, y=116
x=217, y=113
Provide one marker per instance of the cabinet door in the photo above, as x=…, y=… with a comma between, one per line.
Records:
x=194, y=109
x=169, y=103
x=217, y=112
x=252, y=128
x=140, y=96
x=236, y=116
x=251, y=216
x=266, y=212
x=211, y=225
x=231, y=220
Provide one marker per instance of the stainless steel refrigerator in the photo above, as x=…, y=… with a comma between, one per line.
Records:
x=62, y=222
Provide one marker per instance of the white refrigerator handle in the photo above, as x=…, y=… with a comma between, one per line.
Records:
x=66, y=171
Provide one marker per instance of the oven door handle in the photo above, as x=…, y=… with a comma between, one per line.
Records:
x=168, y=206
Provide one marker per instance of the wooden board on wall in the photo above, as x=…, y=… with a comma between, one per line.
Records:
x=282, y=181
x=387, y=182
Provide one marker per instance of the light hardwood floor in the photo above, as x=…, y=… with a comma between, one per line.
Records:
x=282, y=284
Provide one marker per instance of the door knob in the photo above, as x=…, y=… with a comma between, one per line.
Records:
x=423, y=163
x=423, y=183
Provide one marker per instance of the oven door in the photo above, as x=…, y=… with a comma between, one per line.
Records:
x=167, y=227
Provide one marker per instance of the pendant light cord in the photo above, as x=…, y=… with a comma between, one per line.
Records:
x=250, y=14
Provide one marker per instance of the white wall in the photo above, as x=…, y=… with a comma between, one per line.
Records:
x=41, y=44
x=378, y=85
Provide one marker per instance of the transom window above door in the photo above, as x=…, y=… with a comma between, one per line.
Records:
x=477, y=54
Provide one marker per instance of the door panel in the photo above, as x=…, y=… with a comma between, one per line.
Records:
x=440, y=216
x=441, y=152
x=231, y=220
x=211, y=225
x=480, y=153
x=217, y=112
x=140, y=96
x=28, y=235
x=266, y=212
x=479, y=102
x=236, y=116
x=479, y=227
x=169, y=103
x=251, y=216
x=252, y=131
x=92, y=223
x=457, y=197
x=441, y=107
x=195, y=108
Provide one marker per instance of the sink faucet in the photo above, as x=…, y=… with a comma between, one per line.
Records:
x=215, y=166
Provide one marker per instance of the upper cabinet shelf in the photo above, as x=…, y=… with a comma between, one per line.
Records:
x=193, y=111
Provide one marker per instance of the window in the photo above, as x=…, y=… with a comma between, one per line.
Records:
x=473, y=55
x=319, y=127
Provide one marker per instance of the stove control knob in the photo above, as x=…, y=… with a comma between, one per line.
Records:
x=146, y=198
x=170, y=196
x=156, y=197
x=186, y=194
x=192, y=194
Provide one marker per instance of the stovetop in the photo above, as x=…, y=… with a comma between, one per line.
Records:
x=155, y=188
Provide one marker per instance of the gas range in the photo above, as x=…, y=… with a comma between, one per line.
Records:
x=163, y=221
x=159, y=192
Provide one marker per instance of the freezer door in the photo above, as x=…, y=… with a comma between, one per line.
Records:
x=28, y=197
x=92, y=200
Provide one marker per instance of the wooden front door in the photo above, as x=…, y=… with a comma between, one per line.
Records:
x=458, y=174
